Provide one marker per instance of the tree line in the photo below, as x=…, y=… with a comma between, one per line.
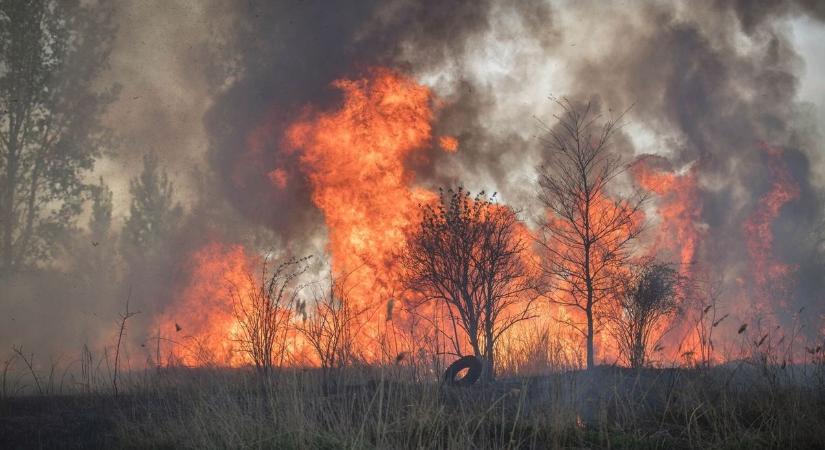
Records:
x=50, y=135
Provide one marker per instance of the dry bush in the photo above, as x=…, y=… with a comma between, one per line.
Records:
x=467, y=254
x=330, y=324
x=537, y=350
x=264, y=312
x=706, y=294
x=647, y=296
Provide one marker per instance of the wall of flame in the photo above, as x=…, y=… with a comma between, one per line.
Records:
x=356, y=157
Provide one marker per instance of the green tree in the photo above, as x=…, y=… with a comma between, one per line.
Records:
x=100, y=222
x=92, y=255
x=50, y=55
x=104, y=255
x=153, y=213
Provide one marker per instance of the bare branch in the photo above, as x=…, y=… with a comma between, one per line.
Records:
x=468, y=255
x=587, y=232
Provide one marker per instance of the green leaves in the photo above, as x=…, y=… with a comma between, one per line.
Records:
x=153, y=214
x=50, y=54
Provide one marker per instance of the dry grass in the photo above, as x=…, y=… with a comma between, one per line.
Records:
x=748, y=404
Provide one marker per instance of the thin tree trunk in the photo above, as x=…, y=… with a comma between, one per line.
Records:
x=589, y=306
x=7, y=215
x=489, y=370
x=590, y=350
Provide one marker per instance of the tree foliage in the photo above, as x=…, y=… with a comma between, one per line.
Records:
x=100, y=222
x=646, y=295
x=468, y=254
x=50, y=55
x=153, y=213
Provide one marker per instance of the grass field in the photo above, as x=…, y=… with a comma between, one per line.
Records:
x=739, y=405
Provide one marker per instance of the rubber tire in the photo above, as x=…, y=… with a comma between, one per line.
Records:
x=465, y=362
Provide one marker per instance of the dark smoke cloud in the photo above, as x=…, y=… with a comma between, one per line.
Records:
x=753, y=14
x=288, y=55
x=694, y=78
x=440, y=43
x=210, y=87
x=709, y=81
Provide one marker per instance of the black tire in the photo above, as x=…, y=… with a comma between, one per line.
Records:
x=469, y=362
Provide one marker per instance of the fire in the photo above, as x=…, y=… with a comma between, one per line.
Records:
x=354, y=158
x=199, y=326
x=679, y=209
x=765, y=281
x=448, y=144
x=769, y=275
x=567, y=253
x=278, y=177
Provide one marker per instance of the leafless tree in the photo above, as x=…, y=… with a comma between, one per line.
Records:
x=121, y=332
x=330, y=324
x=468, y=254
x=587, y=231
x=646, y=295
x=264, y=312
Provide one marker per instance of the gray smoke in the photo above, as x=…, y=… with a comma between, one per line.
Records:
x=720, y=80
x=709, y=83
x=210, y=87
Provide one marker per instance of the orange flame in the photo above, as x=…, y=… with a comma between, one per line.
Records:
x=679, y=210
x=448, y=144
x=198, y=328
x=354, y=158
x=770, y=276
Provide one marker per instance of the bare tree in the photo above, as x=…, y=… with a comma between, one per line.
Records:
x=121, y=333
x=646, y=295
x=331, y=324
x=468, y=254
x=587, y=232
x=264, y=311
